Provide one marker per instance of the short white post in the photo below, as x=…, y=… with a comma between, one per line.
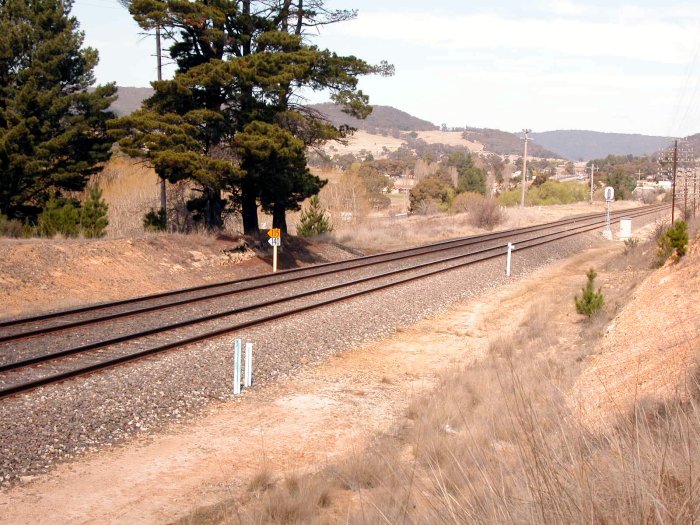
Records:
x=248, y=375
x=510, y=249
x=237, y=367
x=274, y=258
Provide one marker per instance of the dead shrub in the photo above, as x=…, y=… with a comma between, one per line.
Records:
x=486, y=213
x=261, y=481
x=297, y=500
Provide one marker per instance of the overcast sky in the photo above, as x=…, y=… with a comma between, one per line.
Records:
x=549, y=64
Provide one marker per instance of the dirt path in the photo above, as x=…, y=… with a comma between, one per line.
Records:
x=327, y=411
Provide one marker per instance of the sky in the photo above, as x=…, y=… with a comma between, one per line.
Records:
x=631, y=67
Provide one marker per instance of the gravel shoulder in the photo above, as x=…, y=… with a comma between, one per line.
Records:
x=311, y=402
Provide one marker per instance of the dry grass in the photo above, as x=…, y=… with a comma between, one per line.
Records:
x=261, y=481
x=498, y=443
x=379, y=234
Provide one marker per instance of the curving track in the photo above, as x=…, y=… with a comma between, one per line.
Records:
x=52, y=347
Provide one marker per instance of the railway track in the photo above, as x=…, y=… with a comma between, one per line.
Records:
x=25, y=370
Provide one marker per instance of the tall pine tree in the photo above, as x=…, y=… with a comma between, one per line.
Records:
x=52, y=130
x=241, y=65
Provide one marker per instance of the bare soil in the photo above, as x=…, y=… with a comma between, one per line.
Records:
x=327, y=411
x=39, y=275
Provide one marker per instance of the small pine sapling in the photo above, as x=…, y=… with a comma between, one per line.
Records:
x=590, y=301
x=673, y=241
x=93, y=214
x=313, y=220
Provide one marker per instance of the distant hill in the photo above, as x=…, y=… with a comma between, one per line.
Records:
x=505, y=143
x=129, y=99
x=382, y=118
x=570, y=144
x=587, y=145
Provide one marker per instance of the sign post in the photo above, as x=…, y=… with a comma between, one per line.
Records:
x=510, y=249
x=609, y=197
x=275, y=240
x=248, y=369
x=237, y=366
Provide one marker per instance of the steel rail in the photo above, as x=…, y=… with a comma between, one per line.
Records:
x=533, y=242
x=235, y=311
x=363, y=262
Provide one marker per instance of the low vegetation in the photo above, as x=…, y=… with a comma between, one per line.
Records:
x=672, y=242
x=313, y=220
x=590, y=302
x=63, y=217
x=546, y=194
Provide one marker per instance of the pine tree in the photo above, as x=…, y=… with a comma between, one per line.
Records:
x=93, y=214
x=590, y=301
x=240, y=66
x=52, y=130
x=313, y=220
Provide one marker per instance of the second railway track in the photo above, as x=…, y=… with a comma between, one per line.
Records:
x=28, y=368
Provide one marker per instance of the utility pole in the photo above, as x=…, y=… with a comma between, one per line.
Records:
x=522, y=198
x=675, y=167
x=594, y=168
x=159, y=60
x=695, y=188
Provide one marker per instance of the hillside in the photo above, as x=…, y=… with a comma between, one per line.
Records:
x=570, y=144
x=382, y=118
x=505, y=143
x=587, y=145
x=129, y=99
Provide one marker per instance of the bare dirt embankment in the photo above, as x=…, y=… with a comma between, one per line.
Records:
x=39, y=274
x=325, y=413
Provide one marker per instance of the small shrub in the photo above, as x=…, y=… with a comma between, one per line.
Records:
x=631, y=244
x=155, y=221
x=261, y=481
x=590, y=301
x=93, y=214
x=313, y=220
x=486, y=213
x=12, y=228
x=673, y=241
x=463, y=202
x=60, y=216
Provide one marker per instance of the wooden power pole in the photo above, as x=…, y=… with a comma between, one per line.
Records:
x=522, y=198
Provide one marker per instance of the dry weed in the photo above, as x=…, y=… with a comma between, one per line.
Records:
x=262, y=481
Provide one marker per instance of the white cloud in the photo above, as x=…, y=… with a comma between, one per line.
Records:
x=566, y=8
x=648, y=39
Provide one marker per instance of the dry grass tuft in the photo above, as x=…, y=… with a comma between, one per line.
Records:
x=297, y=500
x=262, y=481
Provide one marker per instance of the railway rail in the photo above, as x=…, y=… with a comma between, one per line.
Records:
x=25, y=373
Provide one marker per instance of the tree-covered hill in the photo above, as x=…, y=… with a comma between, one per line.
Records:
x=586, y=145
x=382, y=118
x=505, y=143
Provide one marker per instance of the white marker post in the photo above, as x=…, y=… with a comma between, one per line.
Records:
x=248, y=376
x=609, y=197
x=510, y=249
x=275, y=240
x=237, y=367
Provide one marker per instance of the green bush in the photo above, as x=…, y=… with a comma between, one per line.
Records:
x=60, y=216
x=313, y=220
x=590, y=301
x=155, y=221
x=431, y=190
x=673, y=241
x=546, y=194
x=93, y=214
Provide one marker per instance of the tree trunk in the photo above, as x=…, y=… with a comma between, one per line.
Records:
x=213, y=209
x=249, y=211
x=279, y=217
